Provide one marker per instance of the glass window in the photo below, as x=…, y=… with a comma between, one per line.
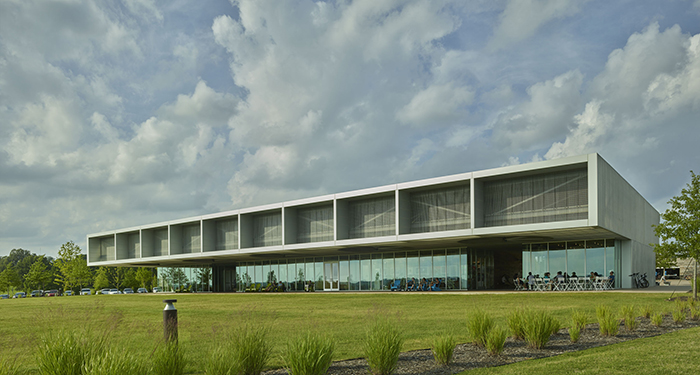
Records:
x=595, y=257
x=464, y=264
x=354, y=274
x=388, y=270
x=283, y=273
x=376, y=271
x=526, y=260
x=538, y=257
x=576, y=259
x=452, y=269
x=258, y=273
x=344, y=273
x=267, y=229
x=400, y=268
x=315, y=224
x=439, y=267
x=557, y=261
x=372, y=217
x=365, y=272
x=309, y=263
x=412, y=265
x=266, y=273
x=440, y=209
x=610, y=256
x=426, y=265
x=318, y=265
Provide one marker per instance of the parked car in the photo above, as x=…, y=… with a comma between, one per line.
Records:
x=68, y=293
x=128, y=291
x=37, y=293
x=4, y=296
x=52, y=293
x=104, y=291
x=114, y=291
x=85, y=292
x=157, y=289
x=142, y=290
x=20, y=295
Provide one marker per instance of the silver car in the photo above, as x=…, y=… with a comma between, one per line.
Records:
x=114, y=291
x=85, y=292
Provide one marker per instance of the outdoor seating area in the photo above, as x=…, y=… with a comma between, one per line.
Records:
x=415, y=285
x=542, y=284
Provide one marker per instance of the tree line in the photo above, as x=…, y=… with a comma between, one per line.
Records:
x=23, y=270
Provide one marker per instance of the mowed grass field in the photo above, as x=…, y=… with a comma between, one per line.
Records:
x=134, y=322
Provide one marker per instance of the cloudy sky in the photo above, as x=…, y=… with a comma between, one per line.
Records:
x=121, y=113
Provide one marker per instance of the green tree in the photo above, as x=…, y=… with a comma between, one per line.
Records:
x=68, y=264
x=679, y=230
x=101, y=278
x=39, y=274
x=9, y=278
x=204, y=276
x=144, y=276
x=130, y=279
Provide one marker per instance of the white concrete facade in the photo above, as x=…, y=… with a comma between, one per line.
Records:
x=610, y=209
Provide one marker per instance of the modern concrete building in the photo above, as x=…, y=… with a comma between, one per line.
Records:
x=574, y=214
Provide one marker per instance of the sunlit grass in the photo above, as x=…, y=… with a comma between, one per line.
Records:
x=344, y=317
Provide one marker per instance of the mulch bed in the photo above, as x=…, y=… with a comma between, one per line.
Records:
x=469, y=356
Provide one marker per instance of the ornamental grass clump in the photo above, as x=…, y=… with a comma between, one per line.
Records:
x=579, y=319
x=646, y=311
x=251, y=349
x=574, y=333
x=495, y=340
x=443, y=349
x=382, y=346
x=220, y=362
x=66, y=353
x=630, y=317
x=657, y=319
x=516, y=323
x=609, y=325
x=310, y=354
x=695, y=312
x=168, y=359
x=539, y=327
x=114, y=362
x=678, y=315
x=479, y=324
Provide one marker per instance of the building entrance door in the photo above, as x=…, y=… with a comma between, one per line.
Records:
x=330, y=272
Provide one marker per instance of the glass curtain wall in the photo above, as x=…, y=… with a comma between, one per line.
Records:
x=267, y=229
x=579, y=257
x=372, y=217
x=440, y=209
x=315, y=224
x=185, y=279
x=454, y=268
x=191, y=239
x=227, y=234
x=536, y=199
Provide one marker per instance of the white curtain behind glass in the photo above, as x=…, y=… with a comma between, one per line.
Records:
x=191, y=239
x=536, y=199
x=267, y=230
x=227, y=234
x=372, y=218
x=315, y=224
x=438, y=210
x=160, y=242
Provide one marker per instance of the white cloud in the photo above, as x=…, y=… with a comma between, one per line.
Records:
x=521, y=19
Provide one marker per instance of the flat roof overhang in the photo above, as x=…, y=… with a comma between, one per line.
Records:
x=480, y=238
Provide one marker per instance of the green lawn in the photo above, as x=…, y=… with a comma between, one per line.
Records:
x=135, y=321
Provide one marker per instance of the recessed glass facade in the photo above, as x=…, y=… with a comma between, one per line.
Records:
x=580, y=257
x=457, y=269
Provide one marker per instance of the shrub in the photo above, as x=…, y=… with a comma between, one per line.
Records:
x=444, y=348
x=678, y=315
x=251, y=350
x=309, y=355
x=495, y=340
x=609, y=325
x=646, y=311
x=579, y=319
x=479, y=324
x=516, y=323
x=66, y=353
x=629, y=316
x=657, y=319
x=574, y=333
x=539, y=326
x=168, y=359
x=382, y=347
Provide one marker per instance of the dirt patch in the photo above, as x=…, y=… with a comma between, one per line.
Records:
x=469, y=356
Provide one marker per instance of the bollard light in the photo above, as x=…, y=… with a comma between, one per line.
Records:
x=170, y=320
